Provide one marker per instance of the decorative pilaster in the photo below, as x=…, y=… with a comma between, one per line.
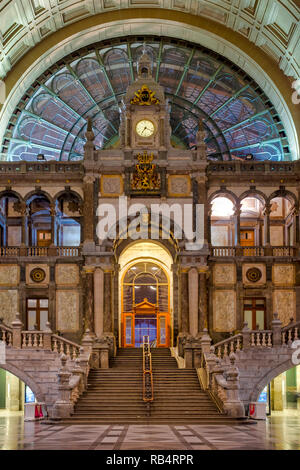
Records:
x=89, y=298
x=184, y=305
x=108, y=320
x=88, y=212
x=193, y=301
x=203, y=299
x=98, y=301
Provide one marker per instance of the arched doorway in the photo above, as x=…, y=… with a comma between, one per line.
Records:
x=145, y=297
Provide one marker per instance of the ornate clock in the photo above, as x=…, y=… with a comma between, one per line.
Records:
x=145, y=128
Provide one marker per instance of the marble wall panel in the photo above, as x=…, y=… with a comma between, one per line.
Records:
x=67, y=310
x=283, y=274
x=224, y=274
x=8, y=305
x=224, y=310
x=284, y=303
x=9, y=275
x=67, y=274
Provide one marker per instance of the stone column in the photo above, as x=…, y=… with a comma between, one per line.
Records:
x=267, y=212
x=296, y=227
x=184, y=300
x=98, y=301
x=89, y=298
x=107, y=299
x=193, y=301
x=176, y=324
x=203, y=307
x=88, y=211
x=237, y=216
x=202, y=199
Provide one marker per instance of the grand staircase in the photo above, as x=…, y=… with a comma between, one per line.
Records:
x=115, y=395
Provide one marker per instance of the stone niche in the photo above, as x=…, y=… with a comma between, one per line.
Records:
x=67, y=274
x=111, y=185
x=40, y=280
x=67, y=311
x=283, y=274
x=284, y=303
x=224, y=274
x=9, y=275
x=224, y=310
x=249, y=274
x=9, y=305
x=179, y=186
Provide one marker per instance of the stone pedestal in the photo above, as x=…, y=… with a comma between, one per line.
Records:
x=63, y=407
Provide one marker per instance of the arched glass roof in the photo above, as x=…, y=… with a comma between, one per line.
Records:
x=51, y=118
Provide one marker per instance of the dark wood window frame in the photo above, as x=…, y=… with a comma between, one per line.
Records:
x=249, y=303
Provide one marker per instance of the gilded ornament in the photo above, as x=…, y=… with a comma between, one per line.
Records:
x=144, y=97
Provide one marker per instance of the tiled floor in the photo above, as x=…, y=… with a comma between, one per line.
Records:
x=278, y=432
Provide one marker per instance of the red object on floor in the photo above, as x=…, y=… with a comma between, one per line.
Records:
x=251, y=409
x=38, y=412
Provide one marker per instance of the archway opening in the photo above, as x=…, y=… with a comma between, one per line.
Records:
x=282, y=394
x=146, y=301
x=14, y=395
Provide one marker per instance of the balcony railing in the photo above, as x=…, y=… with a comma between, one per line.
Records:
x=39, y=251
x=231, y=251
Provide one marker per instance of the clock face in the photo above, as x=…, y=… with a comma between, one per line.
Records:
x=145, y=128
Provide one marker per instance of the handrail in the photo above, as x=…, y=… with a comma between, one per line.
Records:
x=148, y=392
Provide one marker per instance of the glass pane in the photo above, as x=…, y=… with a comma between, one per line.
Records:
x=128, y=330
x=162, y=330
x=31, y=302
x=145, y=292
x=248, y=318
x=260, y=319
x=31, y=319
x=144, y=326
x=44, y=303
x=43, y=319
x=260, y=301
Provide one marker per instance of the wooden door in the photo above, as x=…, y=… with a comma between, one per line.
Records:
x=44, y=238
x=247, y=238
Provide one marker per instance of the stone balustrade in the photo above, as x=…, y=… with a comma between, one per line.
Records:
x=259, y=356
x=254, y=251
x=40, y=251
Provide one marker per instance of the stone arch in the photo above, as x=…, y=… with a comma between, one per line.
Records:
x=224, y=193
x=199, y=29
x=67, y=192
x=27, y=379
x=253, y=193
x=8, y=192
x=118, y=244
x=38, y=192
x=270, y=375
x=284, y=193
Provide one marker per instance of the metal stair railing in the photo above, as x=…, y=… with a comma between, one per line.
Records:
x=148, y=392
